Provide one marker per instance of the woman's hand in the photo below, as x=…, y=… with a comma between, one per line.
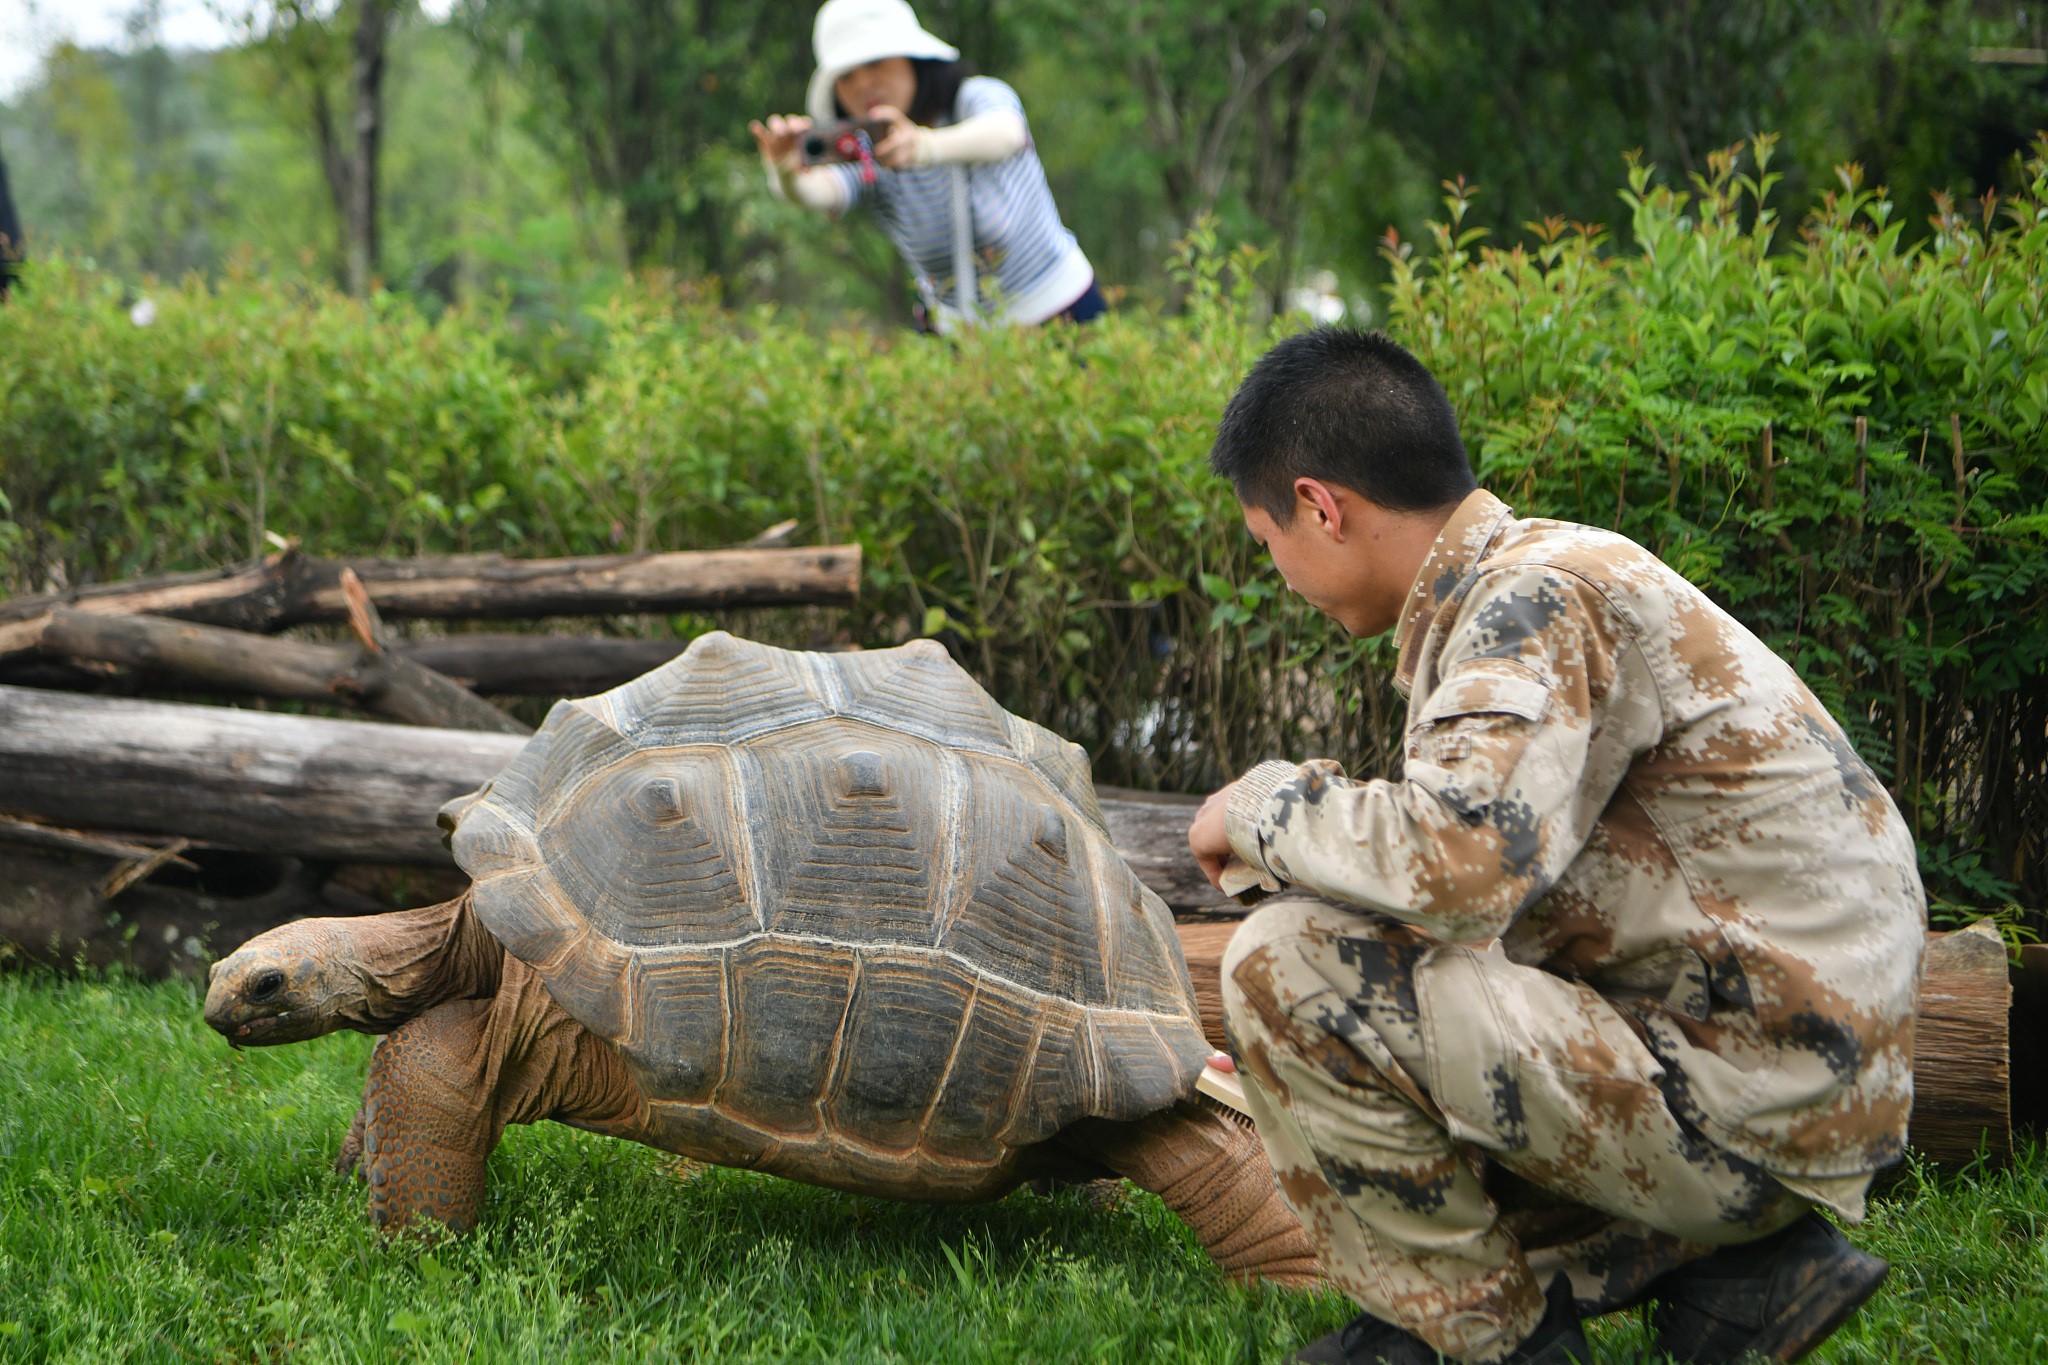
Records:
x=779, y=138
x=896, y=148
x=1207, y=839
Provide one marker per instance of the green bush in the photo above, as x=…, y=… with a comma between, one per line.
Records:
x=1038, y=499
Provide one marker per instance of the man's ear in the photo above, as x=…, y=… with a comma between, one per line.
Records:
x=1321, y=500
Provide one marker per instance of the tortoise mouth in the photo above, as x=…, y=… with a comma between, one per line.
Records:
x=252, y=1030
x=258, y=1027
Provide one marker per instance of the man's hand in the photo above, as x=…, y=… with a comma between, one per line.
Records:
x=1207, y=839
x=778, y=138
x=896, y=148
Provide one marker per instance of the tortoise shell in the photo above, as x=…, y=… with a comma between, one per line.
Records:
x=844, y=916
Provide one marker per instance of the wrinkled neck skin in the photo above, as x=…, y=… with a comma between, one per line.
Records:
x=369, y=973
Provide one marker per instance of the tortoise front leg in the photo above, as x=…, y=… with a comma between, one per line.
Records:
x=444, y=1085
x=426, y=1123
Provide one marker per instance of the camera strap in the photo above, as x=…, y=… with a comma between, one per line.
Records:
x=966, y=292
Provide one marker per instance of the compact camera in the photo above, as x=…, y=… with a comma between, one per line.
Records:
x=851, y=141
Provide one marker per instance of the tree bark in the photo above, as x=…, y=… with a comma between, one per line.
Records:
x=291, y=786
x=291, y=589
x=1961, y=1074
x=540, y=665
x=360, y=244
x=294, y=669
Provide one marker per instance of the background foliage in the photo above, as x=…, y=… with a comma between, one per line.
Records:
x=539, y=147
x=1038, y=499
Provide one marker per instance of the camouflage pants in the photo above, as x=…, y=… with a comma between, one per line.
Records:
x=1455, y=1129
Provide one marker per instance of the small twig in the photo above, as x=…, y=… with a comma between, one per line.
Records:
x=15, y=830
x=362, y=612
x=1862, y=470
x=135, y=870
x=1770, y=480
x=775, y=537
x=1955, y=432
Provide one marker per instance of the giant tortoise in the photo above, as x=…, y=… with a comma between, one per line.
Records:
x=837, y=917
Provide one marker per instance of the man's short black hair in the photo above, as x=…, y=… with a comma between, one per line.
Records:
x=1346, y=407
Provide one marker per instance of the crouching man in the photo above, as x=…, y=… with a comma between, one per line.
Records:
x=1614, y=987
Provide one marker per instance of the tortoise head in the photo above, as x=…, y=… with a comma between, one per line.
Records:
x=296, y=982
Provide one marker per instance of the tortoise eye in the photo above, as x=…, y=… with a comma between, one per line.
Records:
x=266, y=985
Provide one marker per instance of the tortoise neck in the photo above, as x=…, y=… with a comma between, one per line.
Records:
x=409, y=961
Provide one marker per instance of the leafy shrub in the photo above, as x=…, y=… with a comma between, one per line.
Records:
x=1841, y=438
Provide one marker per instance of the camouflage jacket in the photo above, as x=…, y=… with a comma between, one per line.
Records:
x=1613, y=777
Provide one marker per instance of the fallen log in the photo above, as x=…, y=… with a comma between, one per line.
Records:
x=290, y=588
x=293, y=786
x=540, y=665
x=375, y=679
x=1962, y=1083
x=1151, y=830
x=1965, y=1023
x=353, y=791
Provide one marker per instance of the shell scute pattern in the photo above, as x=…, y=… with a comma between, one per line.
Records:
x=797, y=991
x=718, y=691
x=900, y=1042
x=1060, y=762
x=649, y=850
x=841, y=913
x=1028, y=913
x=681, y=1016
x=919, y=690
x=844, y=813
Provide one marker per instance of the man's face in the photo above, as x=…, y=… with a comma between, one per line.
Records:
x=1335, y=556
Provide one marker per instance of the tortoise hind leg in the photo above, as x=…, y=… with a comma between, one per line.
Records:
x=445, y=1084
x=1215, y=1175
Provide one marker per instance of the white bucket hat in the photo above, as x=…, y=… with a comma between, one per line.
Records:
x=851, y=33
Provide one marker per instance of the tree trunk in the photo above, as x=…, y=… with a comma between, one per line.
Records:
x=366, y=87
x=1961, y=1072
x=294, y=669
x=291, y=589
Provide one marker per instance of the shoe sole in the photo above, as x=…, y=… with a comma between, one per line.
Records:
x=1830, y=1302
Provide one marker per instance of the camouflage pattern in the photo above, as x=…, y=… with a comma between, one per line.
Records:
x=1446, y=1175
x=1610, y=774
x=1638, y=926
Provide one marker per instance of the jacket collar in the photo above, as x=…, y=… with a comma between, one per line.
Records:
x=1453, y=561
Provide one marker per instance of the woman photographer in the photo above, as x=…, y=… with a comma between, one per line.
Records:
x=946, y=159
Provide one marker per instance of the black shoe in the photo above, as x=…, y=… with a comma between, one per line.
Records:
x=1777, y=1298
x=1365, y=1340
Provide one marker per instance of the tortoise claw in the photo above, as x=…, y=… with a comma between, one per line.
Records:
x=349, y=1161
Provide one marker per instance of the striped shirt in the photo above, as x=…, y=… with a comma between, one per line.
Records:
x=1024, y=256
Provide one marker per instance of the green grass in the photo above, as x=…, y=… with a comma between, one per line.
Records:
x=164, y=1198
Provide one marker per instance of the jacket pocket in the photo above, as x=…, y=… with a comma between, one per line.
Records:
x=1470, y=733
